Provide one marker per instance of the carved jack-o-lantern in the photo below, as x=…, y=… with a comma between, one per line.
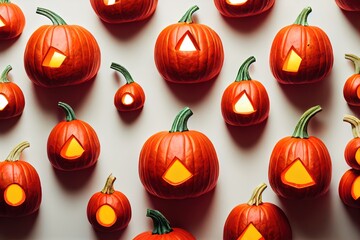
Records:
x=349, y=188
x=300, y=165
x=12, y=20
x=242, y=8
x=179, y=163
x=351, y=90
x=348, y=5
x=352, y=149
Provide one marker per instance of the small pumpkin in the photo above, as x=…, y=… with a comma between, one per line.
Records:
x=351, y=90
x=352, y=149
x=349, y=5
x=117, y=11
x=129, y=97
x=109, y=210
x=61, y=55
x=242, y=8
x=245, y=102
x=12, y=100
x=12, y=20
x=179, y=163
x=162, y=229
x=257, y=220
x=300, y=165
x=301, y=53
x=72, y=144
x=188, y=52
x=20, y=186
x=349, y=188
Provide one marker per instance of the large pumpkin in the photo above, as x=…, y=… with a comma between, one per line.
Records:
x=351, y=90
x=60, y=54
x=352, y=149
x=20, y=186
x=188, y=52
x=12, y=20
x=349, y=188
x=301, y=53
x=242, y=8
x=72, y=144
x=179, y=163
x=300, y=165
x=257, y=220
x=348, y=5
x=245, y=102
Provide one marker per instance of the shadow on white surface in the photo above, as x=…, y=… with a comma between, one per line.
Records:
x=17, y=228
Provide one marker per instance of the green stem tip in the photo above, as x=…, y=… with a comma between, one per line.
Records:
x=16, y=152
x=355, y=124
x=4, y=74
x=256, y=197
x=109, y=185
x=69, y=112
x=187, y=18
x=181, y=119
x=301, y=127
x=161, y=224
x=243, y=73
x=302, y=18
x=356, y=60
x=123, y=71
x=55, y=19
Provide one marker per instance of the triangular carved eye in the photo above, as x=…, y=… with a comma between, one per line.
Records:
x=177, y=173
x=127, y=99
x=292, y=62
x=2, y=22
x=3, y=102
x=72, y=149
x=243, y=104
x=111, y=2
x=251, y=233
x=54, y=58
x=355, y=189
x=296, y=175
x=187, y=43
x=236, y=2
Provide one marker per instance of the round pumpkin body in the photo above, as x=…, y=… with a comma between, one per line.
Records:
x=348, y=5
x=236, y=9
x=352, y=148
x=12, y=20
x=351, y=90
x=349, y=188
x=61, y=55
x=124, y=11
x=300, y=53
x=188, y=52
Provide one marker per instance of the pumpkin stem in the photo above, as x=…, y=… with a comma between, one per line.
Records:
x=4, y=74
x=55, y=19
x=256, y=197
x=243, y=73
x=355, y=124
x=302, y=18
x=124, y=72
x=161, y=224
x=180, y=122
x=109, y=185
x=356, y=60
x=187, y=18
x=69, y=112
x=301, y=127
x=4, y=1
x=16, y=152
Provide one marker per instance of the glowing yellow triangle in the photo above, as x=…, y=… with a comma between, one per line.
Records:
x=54, y=58
x=187, y=45
x=72, y=149
x=244, y=105
x=251, y=233
x=2, y=22
x=127, y=99
x=355, y=189
x=297, y=176
x=177, y=173
x=292, y=62
x=3, y=102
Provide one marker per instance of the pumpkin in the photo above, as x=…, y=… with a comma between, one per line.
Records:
x=352, y=149
x=117, y=11
x=242, y=8
x=300, y=165
x=72, y=144
x=179, y=163
x=188, y=52
x=12, y=100
x=349, y=188
x=20, y=186
x=162, y=229
x=351, y=90
x=348, y=5
x=130, y=96
x=12, y=20
x=245, y=102
x=257, y=220
x=301, y=53
x=61, y=55
x=109, y=210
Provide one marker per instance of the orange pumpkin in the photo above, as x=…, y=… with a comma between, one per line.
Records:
x=179, y=163
x=242, y=8
x=352, y=149
x=245, y=102
x=12, y=20
x=72, y=144
x=349, y=188
x=301, y=53
x=351, y=90
x=61, y=55
x=300, y=165
x=348, y=5
x=257, y=220
x=12, y=100
x=188, y=52
x=20, y=186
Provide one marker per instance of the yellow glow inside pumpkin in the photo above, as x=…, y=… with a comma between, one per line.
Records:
x=187, y=43
x=357, y=156
x=292, y=62
x=110, y=2
x=177, y=173
x=14, y=195
x=355, y=189
x=236, y=2
x=106, y=216
x=127, y=99
x=244, y=105
x=251, y=233
x=2, y=22
x=54, y=58
x=3, y=102
x=296, y=175
x=358, y=92
x=72, y=149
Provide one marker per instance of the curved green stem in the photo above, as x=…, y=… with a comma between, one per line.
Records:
x=69, y=112
x=187, y=18
x=301, y=127
x=161, y=224
x=4, y=74
x=302, y=18
x=180, y=122
x=355, y=124
x=356, y=60
x=16, y=152
x=5, y=1
x=123, y=71
x=243, y=73
x=256, y=197
x=55, y=19
x=109, y=185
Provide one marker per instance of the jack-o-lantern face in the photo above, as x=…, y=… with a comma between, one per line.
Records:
x=177, y=173
x=242, y=8
x=349, y=188
x=351, y=90
x=352, y=149
x=12, y=20
x=296, y=175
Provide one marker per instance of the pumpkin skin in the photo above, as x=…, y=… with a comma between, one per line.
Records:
x=353, y=145
x=85, y=136
x=13, y=18
x=256, y=94
x=246, y=9
x=116, y=200
x=348, y=5
x=124, y=11
x=162, y=229
x=200, y=65
x=268, y=219
x=313, y=154
x=351, y=90
x=345, y=188
x=192, y=148
x=310, y=43
x=13, y=94
x=82, y=53
x=16, y=171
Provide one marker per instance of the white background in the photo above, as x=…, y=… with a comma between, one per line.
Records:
x=243, y=152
